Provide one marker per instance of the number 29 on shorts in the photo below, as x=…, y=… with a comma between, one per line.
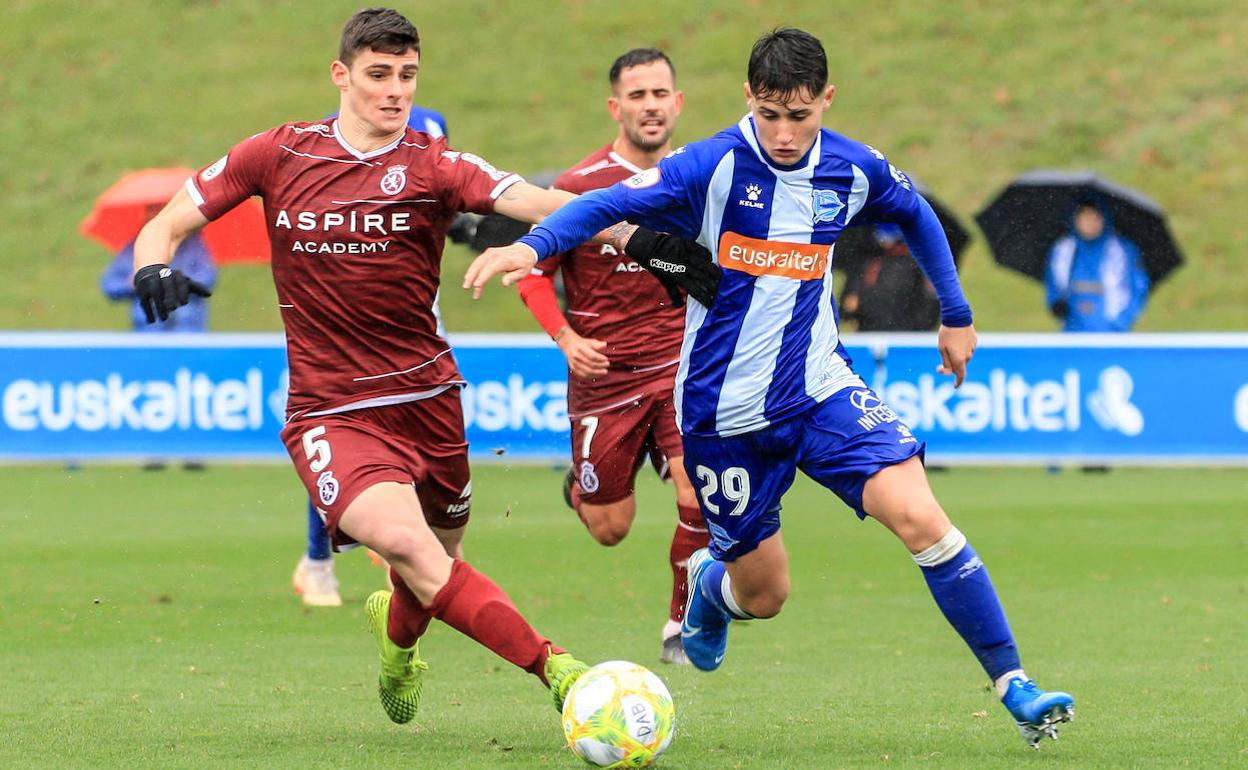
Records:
x=733, y=485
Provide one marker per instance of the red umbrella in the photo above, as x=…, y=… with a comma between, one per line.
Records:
x=122, y=210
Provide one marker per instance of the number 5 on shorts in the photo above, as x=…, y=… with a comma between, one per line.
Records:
x=735, y=488
x=317, y=449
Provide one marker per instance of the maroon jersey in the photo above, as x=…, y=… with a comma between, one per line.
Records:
x=357, y=245
x=612, y=298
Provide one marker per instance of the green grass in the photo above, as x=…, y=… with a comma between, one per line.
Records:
x=148, y=622
x=963, y=94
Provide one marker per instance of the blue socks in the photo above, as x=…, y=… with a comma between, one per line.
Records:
x=318, y=538
x=962, y=589
x=716, y=588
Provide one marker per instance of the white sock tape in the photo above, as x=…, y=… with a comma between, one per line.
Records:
x=942, y=550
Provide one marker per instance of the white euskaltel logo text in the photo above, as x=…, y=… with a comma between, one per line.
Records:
x=187, y=400
x=1009, y=401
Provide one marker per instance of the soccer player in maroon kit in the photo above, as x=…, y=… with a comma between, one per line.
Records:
x=358, y=209
x=620, y=382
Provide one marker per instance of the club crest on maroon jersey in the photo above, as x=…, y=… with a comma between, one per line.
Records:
x=394, y=181
x=589, y=478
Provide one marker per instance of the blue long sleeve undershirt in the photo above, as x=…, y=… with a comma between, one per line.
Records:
x=580, y=219
x=574, y=223
x=927, y=242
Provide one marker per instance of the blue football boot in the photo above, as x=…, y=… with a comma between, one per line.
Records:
x=704, y=630
x=1038, y=713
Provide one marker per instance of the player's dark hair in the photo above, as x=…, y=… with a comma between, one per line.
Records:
x=636, y=58
x=786, y=62
x=383, y=30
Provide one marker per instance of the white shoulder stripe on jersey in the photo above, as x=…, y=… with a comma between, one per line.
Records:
x=613, y=155
x=322, y=157
x=193, y=191
x=599, y=166
x=857, y=193
x=502, y=186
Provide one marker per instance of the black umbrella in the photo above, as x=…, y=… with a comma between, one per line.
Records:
x=856, y=244
x=1035, y=210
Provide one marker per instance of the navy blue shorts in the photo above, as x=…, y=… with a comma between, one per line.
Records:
x=840, y=443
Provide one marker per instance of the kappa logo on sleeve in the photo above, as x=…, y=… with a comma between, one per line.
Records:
x=648, y=178
x=214, y=170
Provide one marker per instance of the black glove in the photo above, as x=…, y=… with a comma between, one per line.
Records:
x=678, y=263
x=497, y=230
x=162, y=290
x=463, y=228
x=1061, y=309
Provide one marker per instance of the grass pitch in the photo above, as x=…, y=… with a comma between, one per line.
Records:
x=147, y=621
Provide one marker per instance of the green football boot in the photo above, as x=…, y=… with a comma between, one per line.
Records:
x=562, y=671
x=399, y=684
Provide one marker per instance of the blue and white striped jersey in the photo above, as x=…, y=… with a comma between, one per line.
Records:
x=769, y=347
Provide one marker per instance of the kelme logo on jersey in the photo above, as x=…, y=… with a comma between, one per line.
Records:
x=803, y=261
x=395, y=180
x=751, y=199
x=827, y=204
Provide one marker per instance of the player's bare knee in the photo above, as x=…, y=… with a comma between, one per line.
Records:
x=918, y=523
x=404, y=550
x=768, y=603
x=608, y=532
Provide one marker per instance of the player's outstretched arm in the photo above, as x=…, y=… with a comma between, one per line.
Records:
x=160, y=289
x=957, y=345
x=530, y=203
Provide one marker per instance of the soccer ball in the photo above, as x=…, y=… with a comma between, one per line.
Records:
x=619, y=714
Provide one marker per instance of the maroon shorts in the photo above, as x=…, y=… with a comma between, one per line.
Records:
x=421, y=443
x=609, y=447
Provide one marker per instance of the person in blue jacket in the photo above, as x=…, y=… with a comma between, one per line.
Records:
x=1094, y=280
x=192, y=258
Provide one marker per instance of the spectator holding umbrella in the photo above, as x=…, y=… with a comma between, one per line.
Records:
x=1099, y=264
x=1095, y=281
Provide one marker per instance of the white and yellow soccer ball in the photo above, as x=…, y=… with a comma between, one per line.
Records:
x=619, y=714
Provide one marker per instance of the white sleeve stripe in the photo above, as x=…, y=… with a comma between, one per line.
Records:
x=193, y=191
x=502, y=186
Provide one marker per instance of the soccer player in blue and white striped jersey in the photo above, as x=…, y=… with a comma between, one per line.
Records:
x=764, y=386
